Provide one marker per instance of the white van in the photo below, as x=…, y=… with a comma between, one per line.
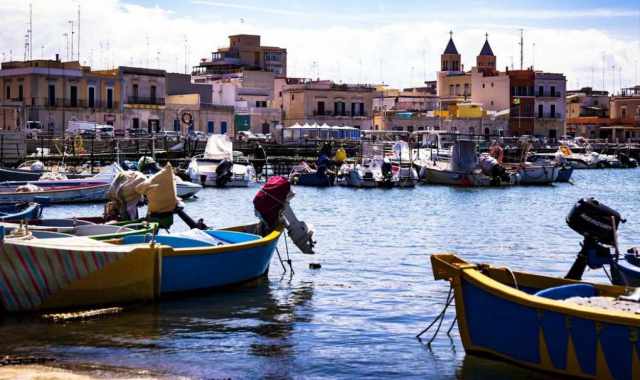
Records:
x=89, y=128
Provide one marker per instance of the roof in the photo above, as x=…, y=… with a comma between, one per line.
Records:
x=486, y=49
x=451, y=47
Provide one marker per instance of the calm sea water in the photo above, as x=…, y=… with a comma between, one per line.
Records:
x=358, y=315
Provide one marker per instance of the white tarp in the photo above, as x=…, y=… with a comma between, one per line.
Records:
x=219, y=147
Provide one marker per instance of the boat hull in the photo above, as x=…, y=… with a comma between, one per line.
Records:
x=54, y=274
x=538, y=175
x=72, y=194
x=312, y=180
x=564, y=174
x=538, y=331
x=451, y=178
x=190, y=269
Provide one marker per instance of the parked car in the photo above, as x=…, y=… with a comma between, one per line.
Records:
x=137, y=132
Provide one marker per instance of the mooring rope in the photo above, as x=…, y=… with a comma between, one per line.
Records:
x=439, y=318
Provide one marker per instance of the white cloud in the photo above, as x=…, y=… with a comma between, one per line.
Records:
x=398, y=50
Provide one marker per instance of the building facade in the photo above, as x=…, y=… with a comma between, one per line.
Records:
x=550, y=105
x=188, y=113
x=52, y=93
x=327, y=102
x=245, y=51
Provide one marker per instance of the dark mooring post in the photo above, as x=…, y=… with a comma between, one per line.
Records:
x=93, y=138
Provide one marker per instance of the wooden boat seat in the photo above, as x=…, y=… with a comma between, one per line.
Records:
x=567, y=291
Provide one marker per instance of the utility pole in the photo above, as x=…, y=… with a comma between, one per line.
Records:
x=533, y=55
x=186, y=47
x=521, y=49
x=72, y=37
x=604, y=59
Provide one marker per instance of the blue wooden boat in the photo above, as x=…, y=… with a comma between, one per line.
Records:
x=528, y=320
x=20, y=211
x=216, y=259
x=314, y=179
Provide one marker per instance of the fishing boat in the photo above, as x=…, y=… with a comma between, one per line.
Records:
x=360, y=175
x=561, y=326
x=80, y=193
x=49, y=228
x=465, y=169
x=34, y=170
x=320, y=176
x=59, y=273
x=403, y=172
x=134, y=268
x=216, y=167
x=535, y=174
x=20, y=211
x=565, y=170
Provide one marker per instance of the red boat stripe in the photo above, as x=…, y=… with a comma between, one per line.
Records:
x=95, y=260
x=20, y=286
x=21, y=256
x=51, y=272
x=74, y=265
x=12, y=291
x=85, y=263
x=62, y=266
x=34, y=258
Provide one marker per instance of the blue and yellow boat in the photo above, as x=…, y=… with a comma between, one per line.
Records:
x=526, y=319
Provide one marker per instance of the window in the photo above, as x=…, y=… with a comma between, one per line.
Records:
x=492, y=102
x=491, y=84
x=152, y=94
x=361, y=109
x=553, y=110
x=466, y=89
x=457, y=89
x=530, y=90
x=92, y=97
x=451, y=93
x=292, y=97
x=135, y=123
x=540, y=91
x=540, y=111
x=623, y=111
x=223, y=127
x=483, y=85
x=210, y=127
x=176, y=125
x=134, y=92
x=20, y=93
x=320, y=108
x=8, y=92
x=109, y=97
x=353, y=109
x=553, y=90
x=513, y=90
x=52, y=95
x=595, y=102
x=73, y=96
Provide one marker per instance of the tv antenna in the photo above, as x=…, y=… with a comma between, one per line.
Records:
x=521, y=49
x=71, y=22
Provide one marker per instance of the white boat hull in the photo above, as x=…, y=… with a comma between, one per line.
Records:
x=538, y=175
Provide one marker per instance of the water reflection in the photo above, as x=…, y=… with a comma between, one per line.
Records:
x=481, y=368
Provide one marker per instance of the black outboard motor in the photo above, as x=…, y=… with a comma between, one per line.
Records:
x=387, y=173
x=224, y=173
x=598, y=224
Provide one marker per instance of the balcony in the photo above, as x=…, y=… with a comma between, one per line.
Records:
x=553, y=95
x=339, y=114
x=549, y=115
x=78, y=103
x=146, y=101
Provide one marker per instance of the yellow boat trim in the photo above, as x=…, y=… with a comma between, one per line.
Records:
x=274, y=235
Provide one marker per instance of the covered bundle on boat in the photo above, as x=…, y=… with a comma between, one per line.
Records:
x=463, y=156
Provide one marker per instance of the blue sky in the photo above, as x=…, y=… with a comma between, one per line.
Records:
x=396, y=42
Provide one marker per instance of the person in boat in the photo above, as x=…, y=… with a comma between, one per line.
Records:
x=323, y=162
x=496, y=151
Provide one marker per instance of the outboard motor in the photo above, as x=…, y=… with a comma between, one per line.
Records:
x=387, y=173
x=224, y=173
x=490, y=167
x=598, y=224
x=272, y=207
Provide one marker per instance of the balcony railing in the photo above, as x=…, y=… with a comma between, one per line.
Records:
x=145, y=100
x=548, y=95
x=549, y=115
x=339, y=114
x=78, y=103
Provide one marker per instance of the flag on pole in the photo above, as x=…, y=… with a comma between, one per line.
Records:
x=516, y=100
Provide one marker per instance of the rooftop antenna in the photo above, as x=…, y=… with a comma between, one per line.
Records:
x=186, y=47
x=533, y=54
x=158, y=58
x=66, y=38
x=30, y=31
x=604, y=58
x=147, y=38
x=72, y=37
x=26, y=46
x=613, y=77
x=78, y=32
x=521, y=49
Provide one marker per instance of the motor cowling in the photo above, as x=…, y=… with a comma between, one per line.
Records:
x=271, y=205
x=593, y=220
x=224, y=173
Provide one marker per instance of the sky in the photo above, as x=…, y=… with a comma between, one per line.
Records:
x=394, y=42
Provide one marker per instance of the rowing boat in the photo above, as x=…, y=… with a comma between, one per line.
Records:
x=541, y=322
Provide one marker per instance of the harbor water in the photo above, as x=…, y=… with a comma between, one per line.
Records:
x=356, y=316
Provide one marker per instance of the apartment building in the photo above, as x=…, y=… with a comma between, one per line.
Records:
x=52, y=93
x=323, y=101
x=587, y=110
x=550, y=104
x=190, y=112
x=245, y=52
